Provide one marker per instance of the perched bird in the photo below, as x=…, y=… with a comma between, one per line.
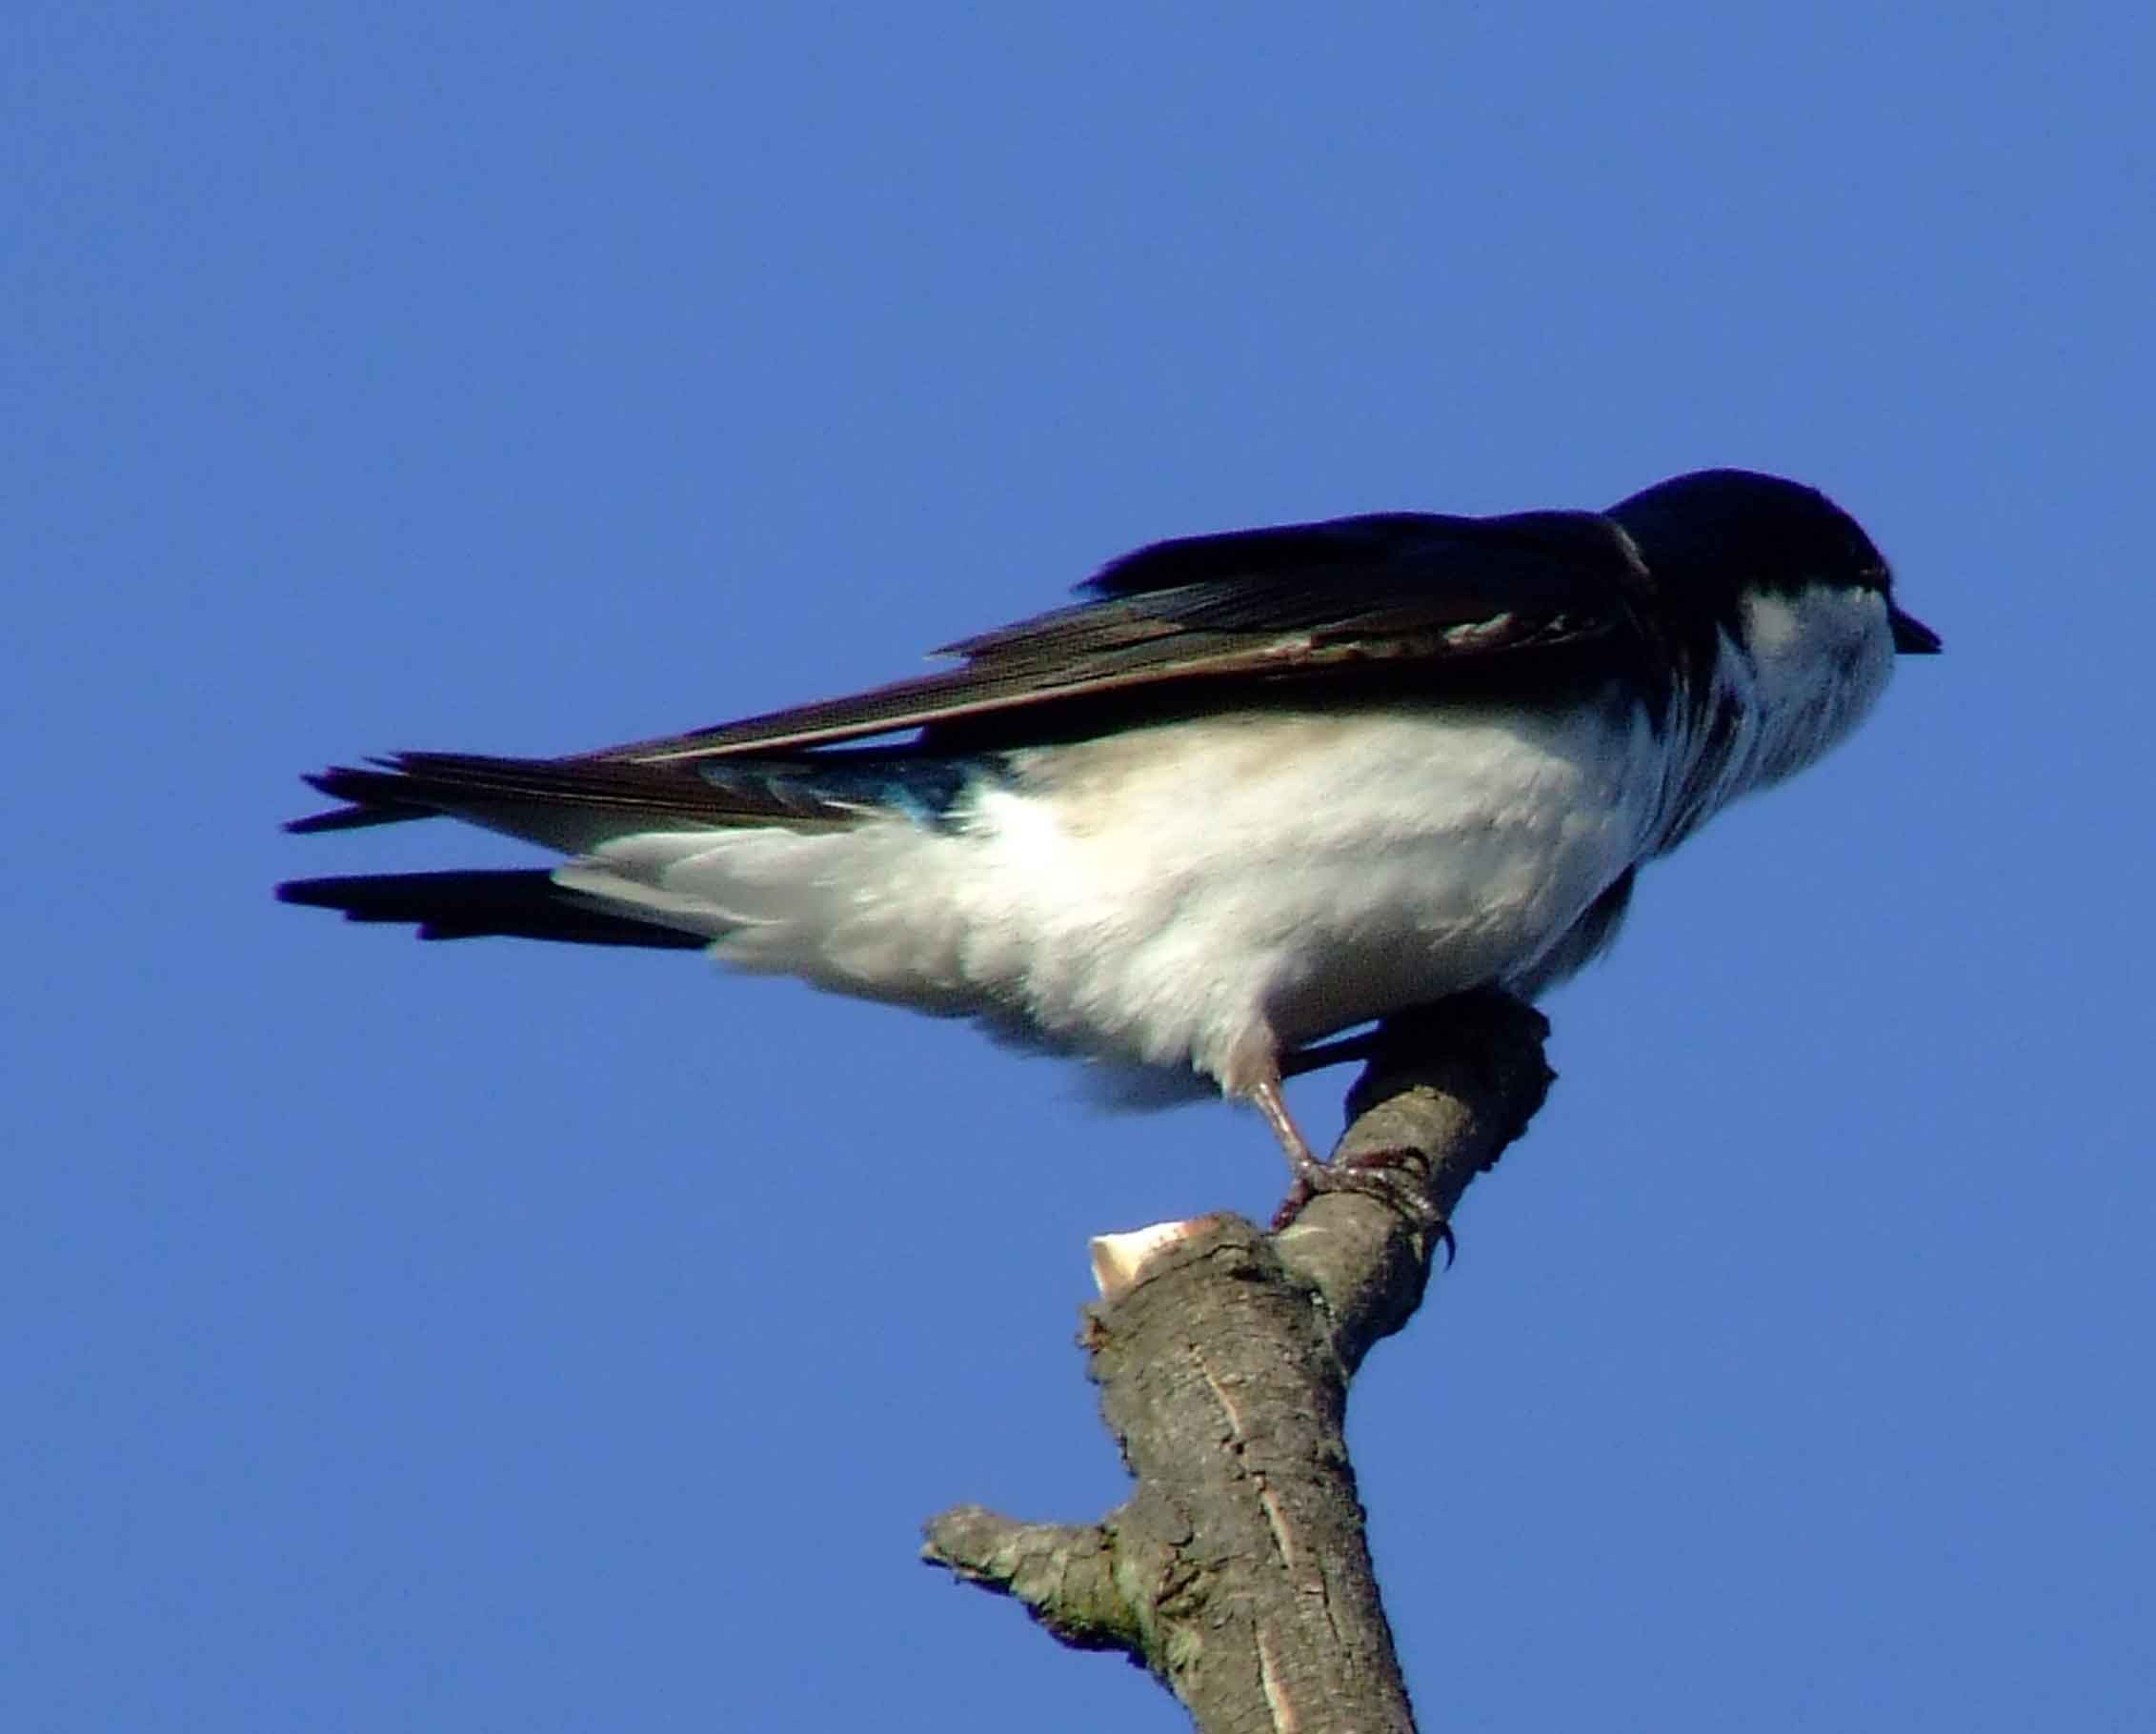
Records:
x=1253, y=790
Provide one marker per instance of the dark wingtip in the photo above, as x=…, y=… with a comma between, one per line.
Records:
x=372, y=796
x=352, y=818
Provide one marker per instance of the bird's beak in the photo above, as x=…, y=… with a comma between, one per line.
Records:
x=1913, y=638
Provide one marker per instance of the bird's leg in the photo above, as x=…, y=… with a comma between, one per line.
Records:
x=1252, y=1071
x=1310, y=1174
x=1365, y=1173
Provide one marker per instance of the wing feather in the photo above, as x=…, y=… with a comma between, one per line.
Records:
x=1258, y=609
x=1398, y=604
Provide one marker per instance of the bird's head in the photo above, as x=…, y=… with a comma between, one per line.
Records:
x=1796, y=584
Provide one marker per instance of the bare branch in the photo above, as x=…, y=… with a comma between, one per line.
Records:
x=1237, y=1571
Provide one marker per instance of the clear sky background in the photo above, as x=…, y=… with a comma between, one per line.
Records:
x=493, y=1337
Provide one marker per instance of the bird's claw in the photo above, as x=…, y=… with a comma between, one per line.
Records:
x=1370, y=1173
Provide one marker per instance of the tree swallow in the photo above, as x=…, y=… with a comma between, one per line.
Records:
x=1253, y=790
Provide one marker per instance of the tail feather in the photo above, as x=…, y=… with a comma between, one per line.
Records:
x=778, y=863
x=523, y=903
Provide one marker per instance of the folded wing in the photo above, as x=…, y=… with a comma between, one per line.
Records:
x=1323, y=613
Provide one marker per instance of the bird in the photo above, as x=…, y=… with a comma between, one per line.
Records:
x=1251, y=789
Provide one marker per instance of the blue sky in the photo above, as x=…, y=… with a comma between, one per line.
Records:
x=485, y=1336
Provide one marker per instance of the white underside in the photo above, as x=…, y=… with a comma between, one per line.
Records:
x=1206, y=893
x=1197, y=895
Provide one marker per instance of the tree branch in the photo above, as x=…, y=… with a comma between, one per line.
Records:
x=1236, y=1572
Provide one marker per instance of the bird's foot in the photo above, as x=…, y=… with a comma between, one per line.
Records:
x=1381, y=1174
x=1374, y=1173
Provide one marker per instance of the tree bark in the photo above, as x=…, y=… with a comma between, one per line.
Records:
x=1237, y=1571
